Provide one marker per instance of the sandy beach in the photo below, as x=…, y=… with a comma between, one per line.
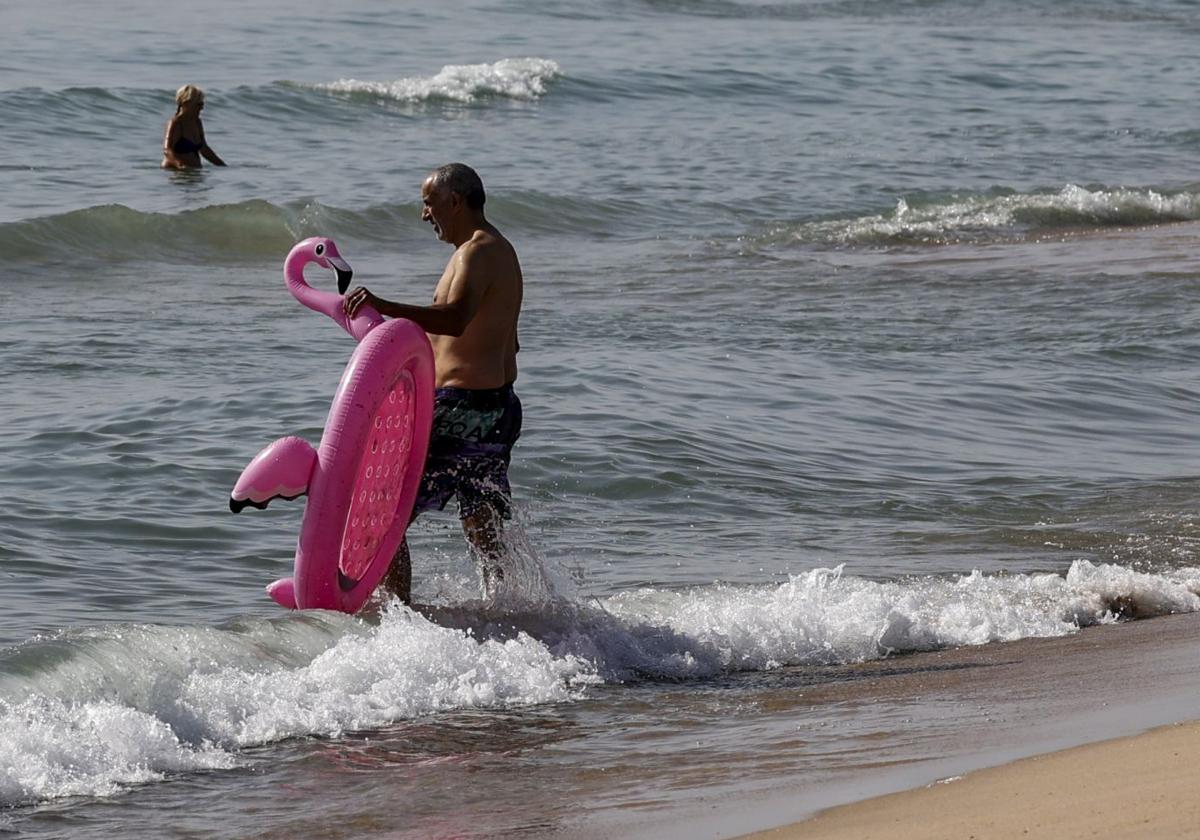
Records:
x=1142, y=786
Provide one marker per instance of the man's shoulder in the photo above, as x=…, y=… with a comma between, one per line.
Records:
x=486, y=245
x=488, y=239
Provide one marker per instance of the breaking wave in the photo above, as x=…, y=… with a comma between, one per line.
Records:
x=510, y=78
x=91, y=712
x=1000, y=216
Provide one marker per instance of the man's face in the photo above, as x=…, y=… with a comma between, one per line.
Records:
x=436, y=204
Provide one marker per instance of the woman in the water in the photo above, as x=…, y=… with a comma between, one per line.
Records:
x=184, y=142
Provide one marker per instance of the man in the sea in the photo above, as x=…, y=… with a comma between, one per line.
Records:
x=472, y=325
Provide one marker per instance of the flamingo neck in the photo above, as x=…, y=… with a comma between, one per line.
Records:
x=327, y=303
x=318, y=300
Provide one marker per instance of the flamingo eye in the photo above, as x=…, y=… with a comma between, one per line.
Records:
x=320, y=249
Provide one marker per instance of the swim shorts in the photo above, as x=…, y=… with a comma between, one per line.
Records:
x=469, y=450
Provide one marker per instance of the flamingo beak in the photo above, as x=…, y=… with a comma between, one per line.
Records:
x=344, y=273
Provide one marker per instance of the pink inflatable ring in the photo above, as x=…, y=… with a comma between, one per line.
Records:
x=363, y=479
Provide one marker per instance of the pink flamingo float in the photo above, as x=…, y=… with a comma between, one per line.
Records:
x=363, y=479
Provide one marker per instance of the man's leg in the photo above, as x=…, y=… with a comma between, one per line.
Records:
x=484, y=529
x=398, y=579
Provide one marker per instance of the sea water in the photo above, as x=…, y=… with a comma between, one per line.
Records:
x=853, y=332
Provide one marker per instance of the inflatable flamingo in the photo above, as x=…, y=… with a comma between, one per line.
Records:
x=363, y=479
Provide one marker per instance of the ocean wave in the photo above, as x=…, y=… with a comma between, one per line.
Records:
x=91, y=712
x=112, y=111
x=220, y=233
x=827, y=617
x=523, y=79
x=46, y=107
x=257, y=229
x=114, y=232
x=1000, y=216
x=94, y=712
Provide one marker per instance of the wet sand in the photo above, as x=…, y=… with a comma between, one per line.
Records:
x=1144, y=786
x=1076, y=777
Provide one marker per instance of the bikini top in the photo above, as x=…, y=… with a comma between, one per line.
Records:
x=184, y=146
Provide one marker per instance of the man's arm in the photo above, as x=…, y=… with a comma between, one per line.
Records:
x=448, y=317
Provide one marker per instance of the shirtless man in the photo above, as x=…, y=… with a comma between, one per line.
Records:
x=472, y=325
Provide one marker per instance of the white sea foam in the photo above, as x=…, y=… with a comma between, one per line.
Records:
x=825, y=616
x=408, y=667
x=511, y=78
x=91, y=712
x=51, y=749
x=130, y=704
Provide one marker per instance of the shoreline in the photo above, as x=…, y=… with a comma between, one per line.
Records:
x=948, y=714
x=1137, y=786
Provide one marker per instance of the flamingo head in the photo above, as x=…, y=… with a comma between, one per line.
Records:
x=324, y=253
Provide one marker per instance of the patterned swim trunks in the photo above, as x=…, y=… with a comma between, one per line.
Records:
x=469, y=450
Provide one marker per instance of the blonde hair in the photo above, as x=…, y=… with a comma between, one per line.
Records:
x=186, y=94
